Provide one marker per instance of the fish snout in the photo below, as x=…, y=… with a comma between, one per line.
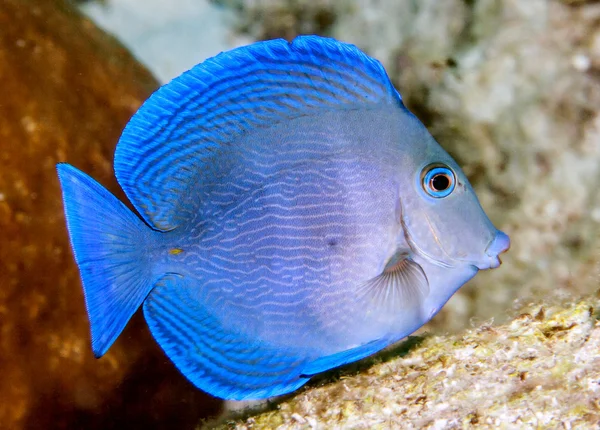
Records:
x=499, y=244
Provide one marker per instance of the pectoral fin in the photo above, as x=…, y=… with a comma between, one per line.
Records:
x=402, y=285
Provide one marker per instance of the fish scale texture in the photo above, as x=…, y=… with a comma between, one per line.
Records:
x=279, y=227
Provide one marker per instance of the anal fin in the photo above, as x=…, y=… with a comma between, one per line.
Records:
x=218, y=359
x=344, y=357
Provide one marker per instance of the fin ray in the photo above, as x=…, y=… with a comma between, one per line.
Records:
x=401, y=285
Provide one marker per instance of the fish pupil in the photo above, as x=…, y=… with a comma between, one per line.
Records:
x=440, y=182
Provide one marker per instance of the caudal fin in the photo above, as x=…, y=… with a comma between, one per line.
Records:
x=110, y=245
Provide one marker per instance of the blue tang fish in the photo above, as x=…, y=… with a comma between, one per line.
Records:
x=294, y=216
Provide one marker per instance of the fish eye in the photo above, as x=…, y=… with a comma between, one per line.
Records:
x=438, y=181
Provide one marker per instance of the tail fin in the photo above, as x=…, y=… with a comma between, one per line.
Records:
x=110, y=244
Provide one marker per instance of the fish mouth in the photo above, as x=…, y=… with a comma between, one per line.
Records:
x=493, y=263
x=498, y=245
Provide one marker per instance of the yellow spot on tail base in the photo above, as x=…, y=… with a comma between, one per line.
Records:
x=175, y=251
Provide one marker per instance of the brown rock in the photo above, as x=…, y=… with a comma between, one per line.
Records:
x=67, y=90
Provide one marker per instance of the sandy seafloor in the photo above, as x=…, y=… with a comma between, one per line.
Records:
x=169, y=37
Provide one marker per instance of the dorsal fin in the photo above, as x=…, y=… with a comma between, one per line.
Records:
x=188, y=122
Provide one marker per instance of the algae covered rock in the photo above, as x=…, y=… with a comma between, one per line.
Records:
x=540, y=370
x=67, y=90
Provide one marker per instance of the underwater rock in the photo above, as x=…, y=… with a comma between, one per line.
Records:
x=271, y=19
x=541, y=370
x=67, y=91
x=512, y=90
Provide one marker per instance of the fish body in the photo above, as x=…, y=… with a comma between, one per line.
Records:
x=295, y=217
